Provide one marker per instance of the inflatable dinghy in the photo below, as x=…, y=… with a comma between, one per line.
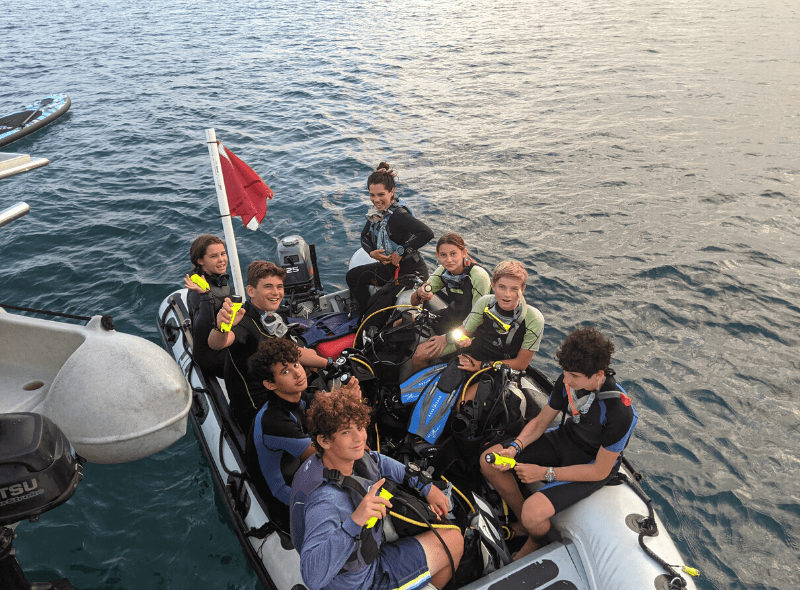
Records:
x=611, y=540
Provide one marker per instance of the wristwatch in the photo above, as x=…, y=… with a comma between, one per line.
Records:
x=551, y=475
x=400, y=250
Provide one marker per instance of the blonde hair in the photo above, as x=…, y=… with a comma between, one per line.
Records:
x=510, y=268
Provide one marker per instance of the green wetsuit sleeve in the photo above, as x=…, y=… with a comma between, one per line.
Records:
x=534, y=328
x=435, y=281
x=481, y=284
x=475, y=318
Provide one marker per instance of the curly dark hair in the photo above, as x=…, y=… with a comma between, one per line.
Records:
x=585, y=351
x=270, y=352
x=382, y=175
x=332, y=411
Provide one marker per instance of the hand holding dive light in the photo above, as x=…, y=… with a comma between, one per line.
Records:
x=236, y=304
x=196, y=283
x=458, y=337
x=373, y=502
x=500, y=460
x=385, y=494
x=424, y=292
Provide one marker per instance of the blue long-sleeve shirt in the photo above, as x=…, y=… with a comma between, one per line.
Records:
x=331, y=534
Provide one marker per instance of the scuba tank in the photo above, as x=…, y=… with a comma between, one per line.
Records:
x=435, y=304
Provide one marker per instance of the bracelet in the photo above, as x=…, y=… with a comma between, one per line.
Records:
x=516, y=440
x=516, y=446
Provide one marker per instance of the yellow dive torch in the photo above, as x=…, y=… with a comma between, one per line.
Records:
x=236, y=305
x=200, y=282
x=384, y=493
x=500, y=460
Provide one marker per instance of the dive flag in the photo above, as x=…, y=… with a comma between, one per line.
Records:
x=247, y=193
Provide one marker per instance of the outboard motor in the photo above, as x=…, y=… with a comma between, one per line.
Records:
x=294, y=256
x=302, y=282
x=39, y=471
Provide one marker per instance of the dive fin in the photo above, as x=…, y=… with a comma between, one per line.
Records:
x=433, y=407
x=413, y=387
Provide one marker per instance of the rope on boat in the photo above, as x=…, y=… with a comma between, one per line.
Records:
x=649, y=528
x=106, y=321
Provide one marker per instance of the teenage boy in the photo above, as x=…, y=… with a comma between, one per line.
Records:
x=280, y=437
x=580, y=456
x=501, y=326
x=340, y=548
x=258, y=320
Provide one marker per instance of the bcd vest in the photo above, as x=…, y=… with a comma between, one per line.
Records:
x=313, y=474
x=489, y=344
x=458, y=298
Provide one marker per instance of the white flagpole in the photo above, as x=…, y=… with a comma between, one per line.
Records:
x=222, y=198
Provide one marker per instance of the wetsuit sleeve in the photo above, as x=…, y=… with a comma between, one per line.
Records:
x=396, y=471
x=330, y=536
x=192, y=302
x=366, y=238
x=241, y=333
x=435, y=281
x=481, y=283
x=534, y=329
x=558, y=400
x=277, y=434
x=203, y=317
x=282, y=432
x=475, y=318
x=620, y=421
x=408, y=231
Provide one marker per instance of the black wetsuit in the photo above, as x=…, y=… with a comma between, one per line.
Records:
x=403, y=229
x=203, y=308
x=246, y=394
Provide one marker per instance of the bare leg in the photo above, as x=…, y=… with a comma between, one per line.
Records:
x=438, y=562
x=504, y=483
x=420, y=359
x=536, y=514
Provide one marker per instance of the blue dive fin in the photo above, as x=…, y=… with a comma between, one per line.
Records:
x=434, y=405
x=412, y=388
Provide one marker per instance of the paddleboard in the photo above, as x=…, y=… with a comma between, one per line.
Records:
x=18, y=124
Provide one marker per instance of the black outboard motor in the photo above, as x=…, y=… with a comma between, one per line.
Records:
x=302, y=282
x=39, y=471
x=295, y=257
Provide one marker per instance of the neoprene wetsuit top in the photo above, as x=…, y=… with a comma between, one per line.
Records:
x=460, y=297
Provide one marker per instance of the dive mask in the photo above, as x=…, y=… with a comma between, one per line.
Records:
x=274, y=324
x=374, y=216
x=453, y=280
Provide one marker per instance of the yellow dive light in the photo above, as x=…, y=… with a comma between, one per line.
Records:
x=500, y=460
x=200, y=282
x=236, y=305
x=384, y=493
x=456, y=335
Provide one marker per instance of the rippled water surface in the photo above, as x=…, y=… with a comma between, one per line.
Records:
x=640, y=158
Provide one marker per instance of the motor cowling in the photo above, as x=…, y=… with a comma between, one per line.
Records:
x=39, y=469
x=294, y=256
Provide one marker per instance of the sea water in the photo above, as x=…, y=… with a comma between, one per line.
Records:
x=639, y=157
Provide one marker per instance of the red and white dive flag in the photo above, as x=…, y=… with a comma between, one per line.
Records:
x=247, y=193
